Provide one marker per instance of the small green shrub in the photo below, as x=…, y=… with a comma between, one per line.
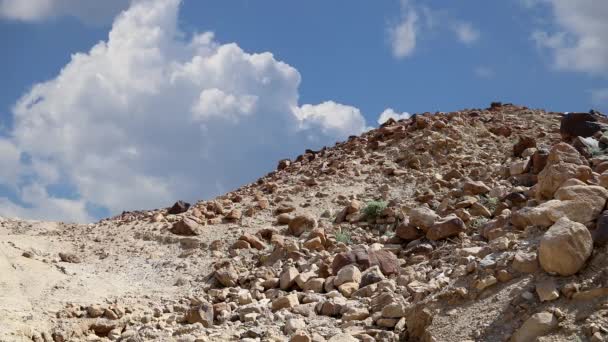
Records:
x=490, y=202
x=344, y=237
x=478, y=222
x=374, y=208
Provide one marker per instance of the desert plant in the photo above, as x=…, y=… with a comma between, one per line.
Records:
x=374, y=208
x=478, y=222
x=344, y=237
x=490, y=202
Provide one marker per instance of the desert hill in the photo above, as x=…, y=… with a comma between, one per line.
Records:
x=476, y=225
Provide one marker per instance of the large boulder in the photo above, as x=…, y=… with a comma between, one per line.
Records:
x=565, y=247
x=579, y=125
x=364, y=259
x=553, y=176
x=534, y=327
x=584, y=203
x=178, y=208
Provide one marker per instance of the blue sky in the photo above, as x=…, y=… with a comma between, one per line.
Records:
x=348, y=61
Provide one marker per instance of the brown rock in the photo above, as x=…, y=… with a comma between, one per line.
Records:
x=447, y=227
x=253, y=240
x=473, y=188
x=523, y=144
x=302, y=223
x=186, y=227
x=285, y=302
x=202, y=313
x=408, y=232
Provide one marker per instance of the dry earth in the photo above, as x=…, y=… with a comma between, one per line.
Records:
x=477, y=225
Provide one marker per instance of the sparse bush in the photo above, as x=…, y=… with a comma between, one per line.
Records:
x=374, y=208
x=477, y=223
x=490, y=202
x=344, y=237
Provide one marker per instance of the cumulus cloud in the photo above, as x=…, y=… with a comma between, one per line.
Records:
x=390, y=113
x=89, y=11
x=578, y=35
x=147, y=117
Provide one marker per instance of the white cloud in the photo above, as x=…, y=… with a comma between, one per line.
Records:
x=89, y=11
x=466, y=33
x=417, y=20
x=390, y=113
x=403, y=35
x=578, y=38
x=484, y=72
x=147, y=118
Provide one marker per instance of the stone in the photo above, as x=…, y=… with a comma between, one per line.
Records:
x=538, y=161
x=348, y=274
x=283, y=164
x=600, y=233
x=293, y=324
x=186, y=227
x=518, y=167
x=523, y=144
x=94, y=311
x=534, y=327
x=355, y=314
x=314, y=285
x=483, y=283
x=301, y=223
x=423, y=217
x=69, y=257
x=314, y=244
x=525, y=262
x=565, y=247
x=300, y=336
x=234, y=215
x=284, y=218
x=594, y=197
x=253, y=241
x=178, y=208
x=288, y=278
x=386, y=260
x=448, y=226
x=546, y=290
x=371, y=276
x=285, y=302
x=342, y=338
x=202, y=313
x=227, y=276
x=347, y=289
x=473, y=188
x=579, y=125
x=408, y=232
x=394, y=310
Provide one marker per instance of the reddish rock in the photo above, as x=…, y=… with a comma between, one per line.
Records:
x=186, y=227
x=447, y=227
x=523, y=144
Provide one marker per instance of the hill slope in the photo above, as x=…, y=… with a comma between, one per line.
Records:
x=473, y=225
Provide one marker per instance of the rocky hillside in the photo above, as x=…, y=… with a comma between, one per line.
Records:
x=477, y=225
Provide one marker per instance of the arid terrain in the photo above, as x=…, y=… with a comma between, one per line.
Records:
x=477, y=225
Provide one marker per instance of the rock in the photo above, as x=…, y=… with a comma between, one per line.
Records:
x=547, y=290
x=283, y=164
x=234, y=215
x=69, y=257
x=371, y=276
x=285, y=302
x=342, y=338
x=300, y=336
x=523, y=144
x=301, y=223
x=538, y=161
x=348, y=274
x=202, y=313
x=593, y=198
x=408, y=232
x=394, y=310
x=293, y=324
x=227, y=276
x=600, y=234
x=483, y=283
x=449, y=226
x=314, y=244
x=284, y=218
x=314, y=285
x=518, y=168
x=347, y=289
x=423, y=217
x=525, y=262
x=473, y=188
x=565, y=247
x=579, y=125
x=563, y=163
x=355, y=314
x=288, y=278
x=253, y=241
x=186, y=227
x=385, y=260
x=537, y=325
x=178, y=208
x=95, y=311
